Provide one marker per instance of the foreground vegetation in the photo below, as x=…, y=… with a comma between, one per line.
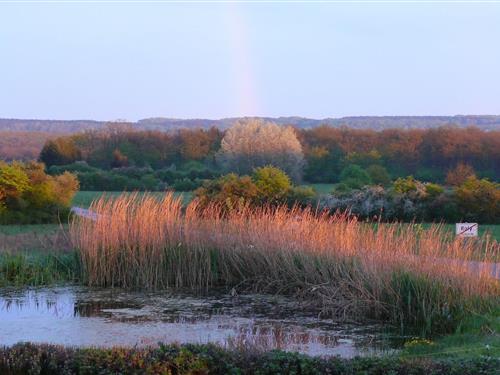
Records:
x=210, y=359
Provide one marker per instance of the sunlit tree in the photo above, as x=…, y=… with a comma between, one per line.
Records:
x=253, y=143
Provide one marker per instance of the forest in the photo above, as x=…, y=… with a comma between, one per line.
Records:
x=427, y=154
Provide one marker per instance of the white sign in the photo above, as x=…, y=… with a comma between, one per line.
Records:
x=466, y=229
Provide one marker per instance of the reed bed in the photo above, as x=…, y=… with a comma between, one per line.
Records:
x=351, y=269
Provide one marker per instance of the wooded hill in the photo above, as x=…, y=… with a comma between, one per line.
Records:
x=484, y=122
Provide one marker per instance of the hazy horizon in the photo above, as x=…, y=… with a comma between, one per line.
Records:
x=237, y=117
x=103, y=62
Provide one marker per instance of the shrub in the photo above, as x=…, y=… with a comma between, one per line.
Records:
x=368, y=202
x=29, y=195
x=407, y=185
x=303, y=195
x=185, y=184
x=267, y=186
x=76, y=167
x=433, y=190
x=272, y=183
x=230, y=191
x=479, y=200
x=408, y=200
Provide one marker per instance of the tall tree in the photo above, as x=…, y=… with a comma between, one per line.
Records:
x=254, y=143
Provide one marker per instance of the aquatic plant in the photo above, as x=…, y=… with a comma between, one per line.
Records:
x=413, y=278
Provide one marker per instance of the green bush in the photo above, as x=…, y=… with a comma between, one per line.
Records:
x=268, y=185
x=479, y=200
x=186, y=184
x=355, y=177
x=29, y=196
x=378, y=175
x=76, y=167
x=272, y=183
x=304, y=195
x=231, y=191
x=192, y=171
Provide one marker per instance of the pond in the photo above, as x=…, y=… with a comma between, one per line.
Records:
x=80, y=316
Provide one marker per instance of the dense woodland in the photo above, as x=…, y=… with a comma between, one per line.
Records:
x=426, y=154
x=22, y=145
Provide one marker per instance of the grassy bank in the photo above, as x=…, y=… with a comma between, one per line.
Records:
x=351, y=269
x=209, y=359
x=38, y=268
x=477, y=335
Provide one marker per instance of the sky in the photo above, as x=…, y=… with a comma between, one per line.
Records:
x=116, y=60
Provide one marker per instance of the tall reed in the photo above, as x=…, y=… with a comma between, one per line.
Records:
x=393, y=272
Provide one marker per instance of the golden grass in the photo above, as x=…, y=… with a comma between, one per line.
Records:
x=391, y=272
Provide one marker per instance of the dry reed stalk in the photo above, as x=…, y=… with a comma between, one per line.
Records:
x=347, y=265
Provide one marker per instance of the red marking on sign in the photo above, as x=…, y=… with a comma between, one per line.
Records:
x=467, y=229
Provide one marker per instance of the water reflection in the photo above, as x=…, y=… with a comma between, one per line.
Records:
x=91, y=317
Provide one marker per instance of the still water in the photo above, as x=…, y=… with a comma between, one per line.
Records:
x=81, y=316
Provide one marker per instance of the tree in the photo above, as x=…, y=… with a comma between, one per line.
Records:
x=253, y=143
x=459, y=174
x=378, y=175
x=323, y=165
x=197, y=144
x=119, y=159
x=60, y=151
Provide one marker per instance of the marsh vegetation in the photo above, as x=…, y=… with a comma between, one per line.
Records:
x=348, y=268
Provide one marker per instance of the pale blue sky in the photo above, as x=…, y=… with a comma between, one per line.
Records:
x=131, y=61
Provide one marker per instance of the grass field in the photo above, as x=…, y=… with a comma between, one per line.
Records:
x=322, y=188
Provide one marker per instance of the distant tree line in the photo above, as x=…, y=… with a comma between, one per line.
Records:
x=320, y=155
x=426, y=154
x=22, y=145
